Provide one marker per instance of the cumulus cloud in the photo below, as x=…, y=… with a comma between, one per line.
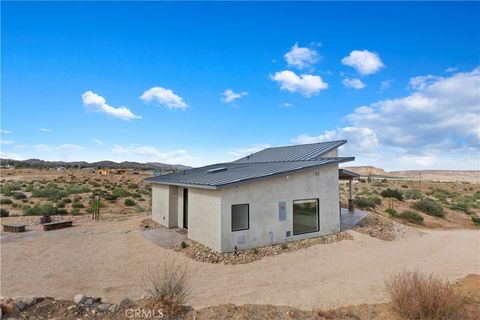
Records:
x=437, y=124
x=245, y=151
x=364, y=61
x=230, y=96
x=301, y=57
x=354, y=83
x=97, y=103
x=151, y=154
x=307, y=85
x=385, y=84
x=164, y=97
x=45, y=130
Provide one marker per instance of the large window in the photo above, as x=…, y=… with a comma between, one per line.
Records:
x=305, y=216
x=240, y=217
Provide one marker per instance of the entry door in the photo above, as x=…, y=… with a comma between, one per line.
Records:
x=185, y=208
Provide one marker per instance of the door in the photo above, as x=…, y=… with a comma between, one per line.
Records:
x=185, y=208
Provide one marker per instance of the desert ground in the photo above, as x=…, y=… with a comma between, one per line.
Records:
x=108, y=258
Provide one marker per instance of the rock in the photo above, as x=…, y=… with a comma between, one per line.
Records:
x=79, y=298
x=10, y=307
x=97, y=300
x=88, y=302
x=103, y=307
x=20, y=304
x=126, y=302
x=114, y=308
x=30, y=300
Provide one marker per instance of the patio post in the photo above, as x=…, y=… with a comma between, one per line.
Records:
x=351, y=207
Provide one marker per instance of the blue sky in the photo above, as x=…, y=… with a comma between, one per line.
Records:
x=196, y=83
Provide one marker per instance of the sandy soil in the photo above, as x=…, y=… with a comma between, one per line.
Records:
x=108, y=259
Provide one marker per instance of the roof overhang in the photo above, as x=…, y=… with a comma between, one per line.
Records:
x=344, y=174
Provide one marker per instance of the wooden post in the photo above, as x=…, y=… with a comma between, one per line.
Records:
x=351, y=207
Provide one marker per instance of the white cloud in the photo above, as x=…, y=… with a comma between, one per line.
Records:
x=230, y=96
x=97, y=103
x=301, y=58
x=151, y=154
x=45, y=130
x=436, y=125
x=286, y=104
x=13, y=156
x=20, y=146
x=7, y=142
x=98, y=141
x=451, y=69
x=307, y=85
x=421, y=82
x=5, y=131
x=243, y=152
x=364, y=61
x=164, y=97
x=385, y=84
x=68, y=147
x=354, y=83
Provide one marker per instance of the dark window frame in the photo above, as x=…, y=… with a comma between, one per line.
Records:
x=318, y=216
x=248, y=216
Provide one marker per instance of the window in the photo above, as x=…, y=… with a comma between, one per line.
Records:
x=240, y=219
x=305, y=216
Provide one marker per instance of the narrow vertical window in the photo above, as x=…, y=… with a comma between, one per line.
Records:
x=240, y=218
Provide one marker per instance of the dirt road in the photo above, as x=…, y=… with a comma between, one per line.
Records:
x=108, y=260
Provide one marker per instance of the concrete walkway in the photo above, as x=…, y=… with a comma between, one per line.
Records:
x=349, y=219
x=164, y=237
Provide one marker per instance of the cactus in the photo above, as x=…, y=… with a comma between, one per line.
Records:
x=95, y=208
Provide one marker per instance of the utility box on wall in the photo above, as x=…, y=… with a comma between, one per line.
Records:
x=282, y=211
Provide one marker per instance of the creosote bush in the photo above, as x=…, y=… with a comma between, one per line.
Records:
x=4, y=213
x=416, y=295
x=129, y=202
x=413, y=194
x=392, y=193
x=168, y=285
x=429, y=206
x=365, y=203
x=411, y=216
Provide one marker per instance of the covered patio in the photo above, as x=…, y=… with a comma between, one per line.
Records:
x=344, y=174
x=349, y=219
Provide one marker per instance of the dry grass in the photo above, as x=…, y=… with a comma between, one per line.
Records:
x=168, y=285
x=423, y=296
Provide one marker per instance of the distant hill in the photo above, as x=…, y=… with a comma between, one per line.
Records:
x=435, y=175
x=36, y=163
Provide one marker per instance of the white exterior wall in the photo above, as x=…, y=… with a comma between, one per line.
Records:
x=161, y=204
x=263, y=197
x=204, y=219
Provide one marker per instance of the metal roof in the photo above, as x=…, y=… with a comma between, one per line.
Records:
x=236, y=173
x=347, y=174
x=293, y=153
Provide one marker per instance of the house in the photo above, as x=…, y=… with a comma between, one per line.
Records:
x=275, y=195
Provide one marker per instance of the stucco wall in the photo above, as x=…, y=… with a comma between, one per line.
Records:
x=160, y=204
x=204, y=221
x=263, y=197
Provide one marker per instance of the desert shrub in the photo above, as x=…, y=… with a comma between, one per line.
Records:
x=77, y=198
x=461, y=206
x=67, y=200
x=421, y=296
x=413, y=194
x=443, y=195
x=476, y=195
x=78, y=205
x=379, y=184
x=429, y=207
x=14, y=205
x=364, y=203
x=51, y=192
x=255, y=251
x=411, y=216
x=61, y=204
x=62, y=211
x=5, y=201
x=7, y=188
x=129, y=202
x=46, y=209
x=133, y=186
x=183, y=245
x=18, y=195
x=121, y=193
x=110, y=197
x=284, y=246
x=392, y=193
x=392, y=213
x=139, y=209
x=4, y=213
x=75, y=211
x=475, y=220
x=167, y=285
x=76, y=189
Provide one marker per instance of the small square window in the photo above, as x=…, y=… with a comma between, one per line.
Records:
x=240, y=218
